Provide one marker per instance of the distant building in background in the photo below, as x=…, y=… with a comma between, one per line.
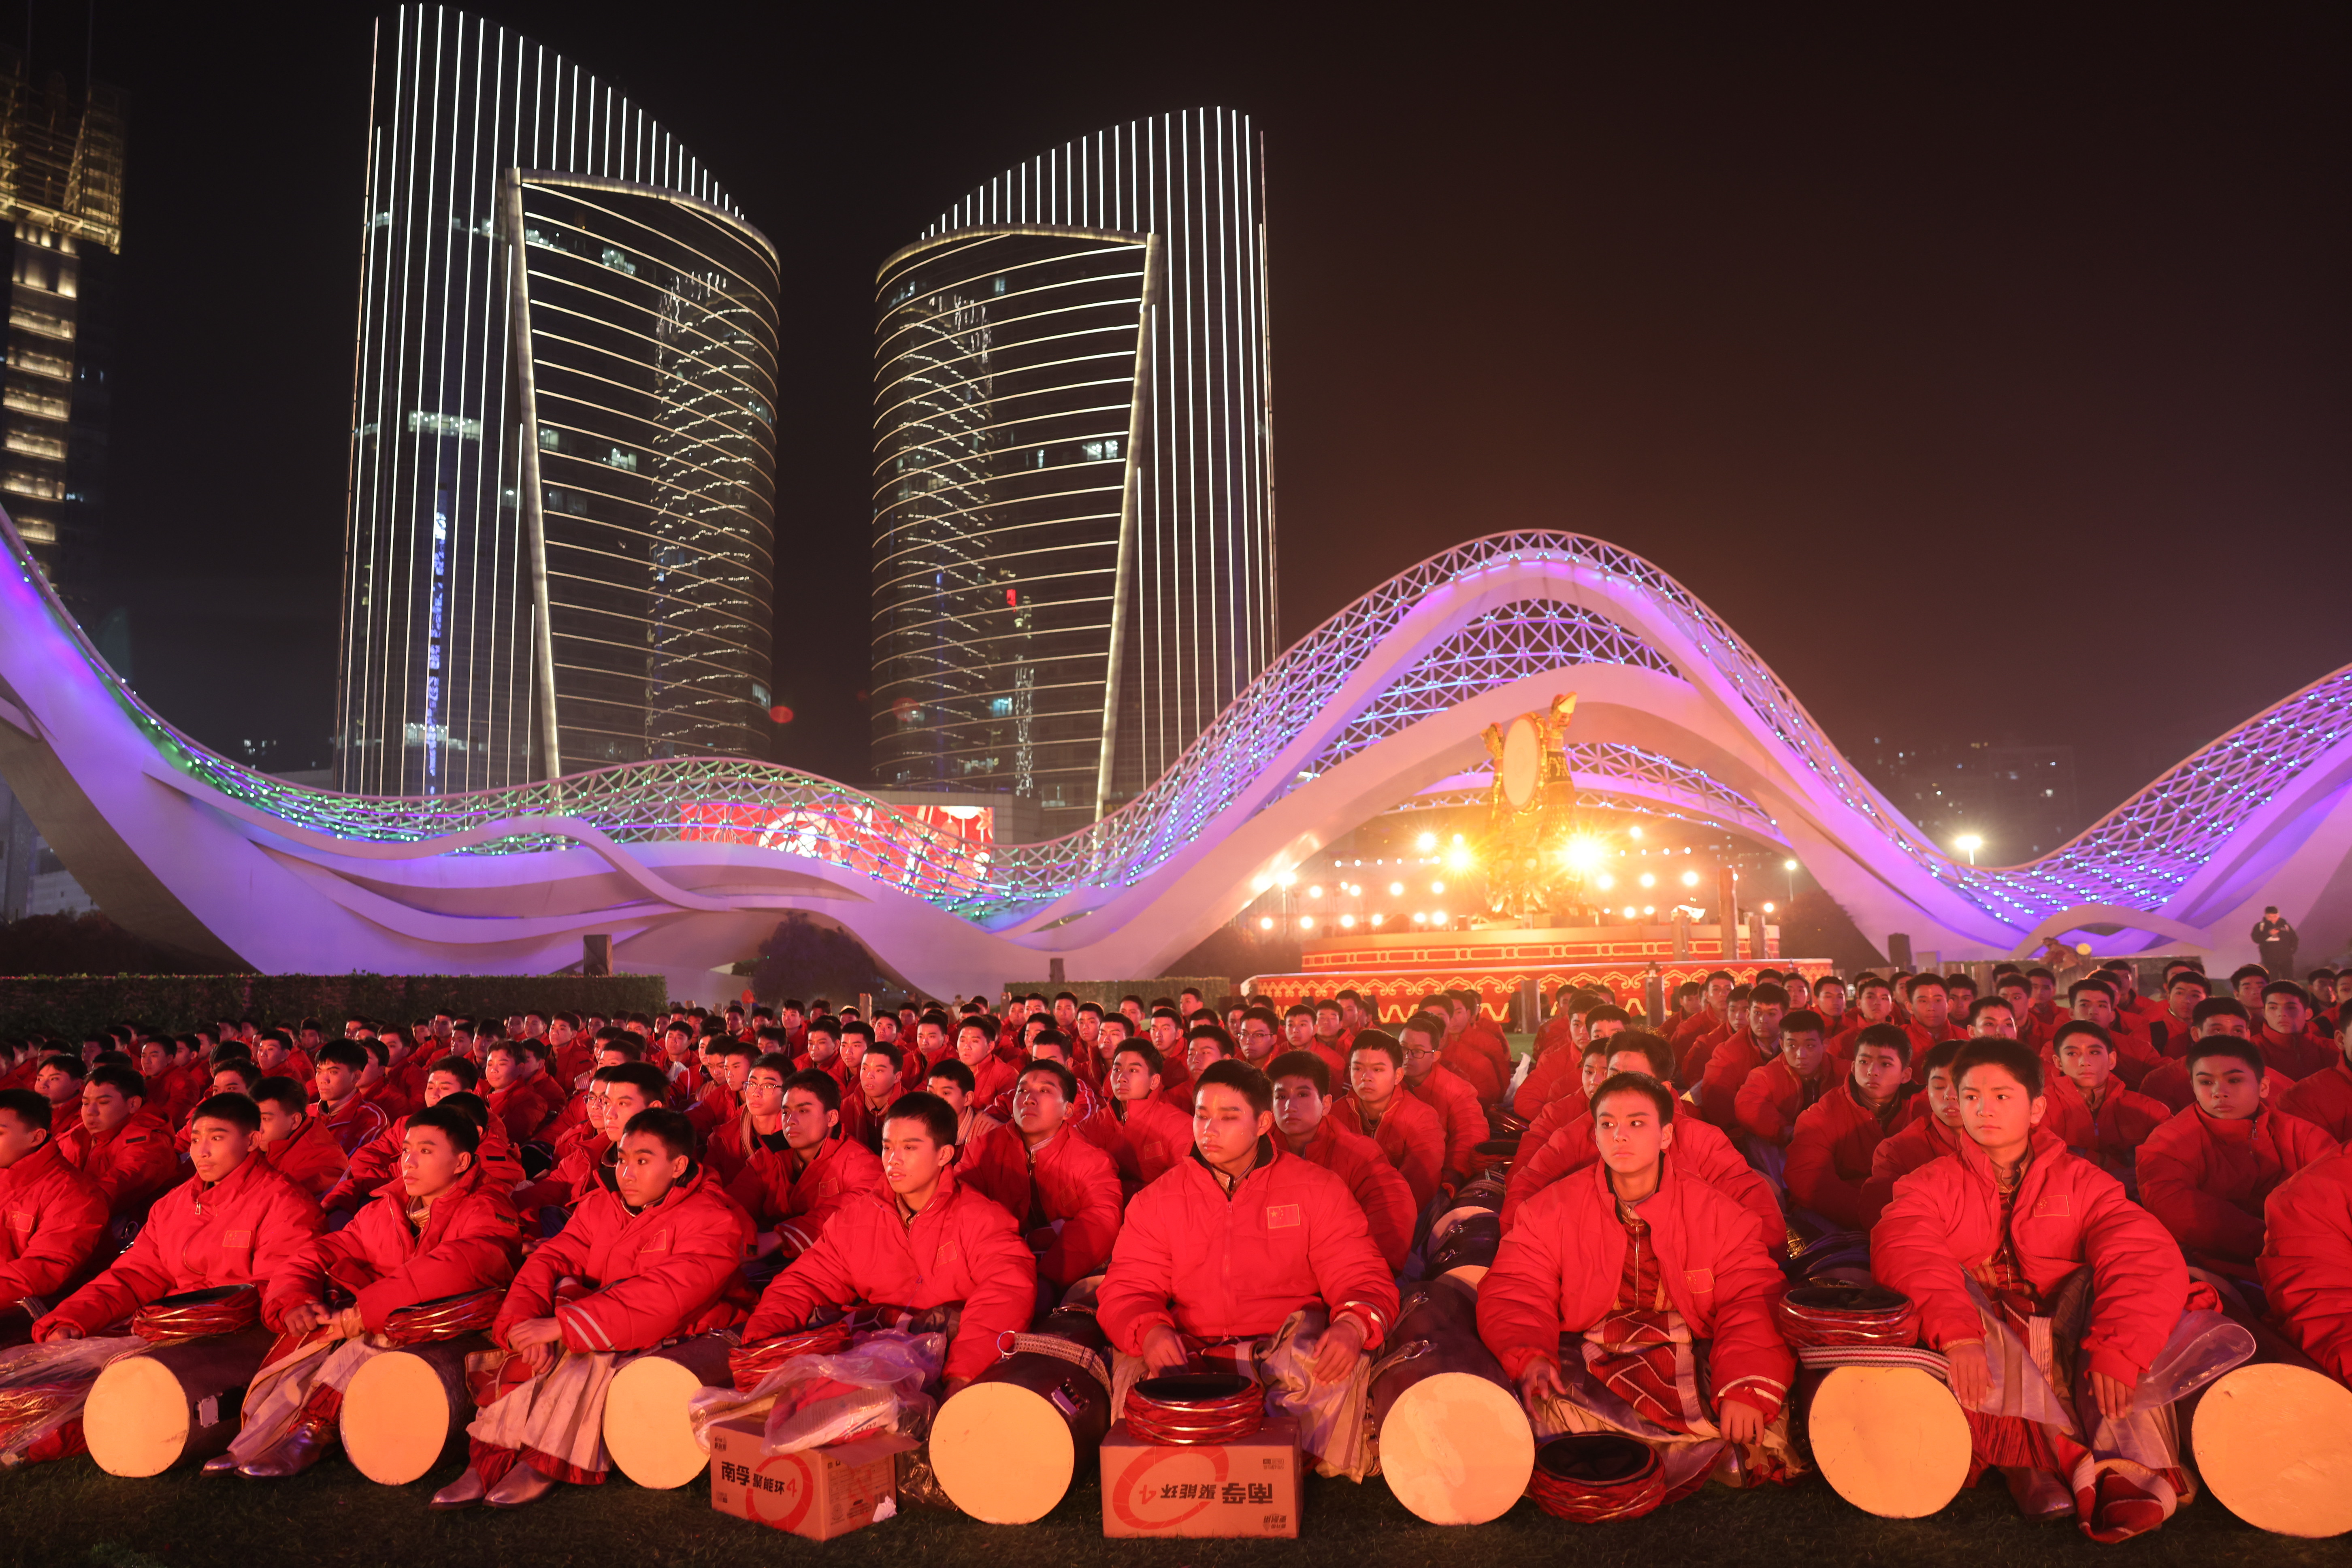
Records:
x=562, y=534
x=61, y=197
x=2020, y=799
x=1074, y=556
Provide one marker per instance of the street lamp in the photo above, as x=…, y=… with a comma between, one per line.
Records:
x=1969, y=844
x=1791, y=867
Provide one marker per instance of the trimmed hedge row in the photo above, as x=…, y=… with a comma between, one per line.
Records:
x=70, y=1005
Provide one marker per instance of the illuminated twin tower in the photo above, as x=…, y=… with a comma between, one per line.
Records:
x=560, y=546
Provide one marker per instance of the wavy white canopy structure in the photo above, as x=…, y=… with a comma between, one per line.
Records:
x=687, y=864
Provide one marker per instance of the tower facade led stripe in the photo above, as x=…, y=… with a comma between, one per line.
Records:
x=1073, y=512
x=483, y=644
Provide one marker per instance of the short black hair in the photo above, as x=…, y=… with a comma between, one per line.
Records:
x=2017, y=1061
x=1427, y=1024
x=452, y=1123
x=238, y=1109
x=643, y=1077
x=1137, y=1047
x=954, y=1071
x=469, y=1104
x=1939, y=1055
x=2232, y=1046
x=1063, y=1078
x=1983, y=1004
x=1378, y=1040
x=1768, y=994
x=124, y=1081
x=460, y=1068
x=677, y=1134
x=1302, y=1064
x=1640, y=1083
x=2224, y=1007
x=1214, y=1033
x=818, y=1082
x=345, y=1052
x=2286, y=988
x=282, y=1092
x=1253, y=1085
x=1656, y=1048
x=889, y=1051
x=1803, y=1021
x=30, y=1109
x=242, y=1069
x=1891, y=1036
x=2074, y=1027
x=939, y=1121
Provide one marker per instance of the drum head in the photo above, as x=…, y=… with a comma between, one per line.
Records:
x=1891, y=1440
x=1003, y=1454
x=136, y=1421
x=1522, y=766
x=1193, y=1387
x=2275, y=1444
x=645, y=1426
x=396, y=1420
x=1593, y=1458
x=1456, y=1448
x=1836, y=1297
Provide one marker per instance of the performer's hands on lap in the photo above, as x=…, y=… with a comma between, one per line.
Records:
x=1539, y=1382
x=536, y=1340
x=304, y=1315
x=1334, y=1356
x=57, y=1332
x=2114, y=1396
x=1164, y=1350
x=1971, y=1376
x=1740, y=1422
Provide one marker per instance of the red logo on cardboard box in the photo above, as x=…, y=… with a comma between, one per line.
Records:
x=1137, y=1492
x=784, y=1478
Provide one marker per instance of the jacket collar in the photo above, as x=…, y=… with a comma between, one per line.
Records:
x=1267, y=1154
x=2044, y=1149
x=34, y=1167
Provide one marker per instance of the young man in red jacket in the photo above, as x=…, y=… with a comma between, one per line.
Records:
x=58, y=1080
x=1612, y=1257
x=350, y=1117
x=1552, y=1062
x=2307, y=1262
x=2325, y=1099
x=1246, y=1253
x=1773, y=1094
x=53, y=1218
x=917, y=1241
x=1445, y=1092
x=1924, y=1137
x=1075, y=1198
x=295, y=1140
x=1574, y=1100
x=1141, y=1133
x=1704, y=1151
x=1474, y=1048
x=1383, y=1110
x=1837, y=1136
x=1302, y=1106
x=2100, y=1119
x=443, y=1230
x=2290, y=1049
x=881, y=1079
x=989, y=1157
x=120, y=1144
x=2207, y=1171
x=797, y=1177
x=1739, y=1053
x=2092, y=1000
x=1981, y=1243
x=658, y=1251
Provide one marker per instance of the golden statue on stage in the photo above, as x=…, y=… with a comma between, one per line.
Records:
x=1535, y=854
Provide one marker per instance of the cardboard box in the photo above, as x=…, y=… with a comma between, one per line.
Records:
x=1244, y=1489
x=818, y=1493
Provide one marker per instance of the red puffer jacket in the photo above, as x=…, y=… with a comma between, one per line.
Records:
x=798, y=1207
x=2107, y=1136
x=312, y=1160
x=672, y=1269
x=2324, y=1099
x=1920, y=1140
x=1946, y=1220
x=133, y=1165
x=471, y=1241
x=2306, y=1261
x=1558, y=1068
x=1375, y=1184
x=52, y=1220
x=1210, y=1266
x=1830, y=1156
x=1411, y=1135
x=2207, y=1180
x=1727, y=1067
x=1769, y=1099
x=961, y=1248
x=1077, y=1184
x=1459, y=1113
x=238, y=1231
x=1558, y=1269
x=1153, y=1136
x=1701, y=1150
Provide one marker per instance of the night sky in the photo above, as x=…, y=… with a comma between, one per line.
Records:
x=1989, y=375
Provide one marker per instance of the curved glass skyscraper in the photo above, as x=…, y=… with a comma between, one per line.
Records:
x=563, y=493
x=1074, y=502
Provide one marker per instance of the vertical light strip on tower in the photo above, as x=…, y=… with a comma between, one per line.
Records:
x=1024, y=519
x=448, y=669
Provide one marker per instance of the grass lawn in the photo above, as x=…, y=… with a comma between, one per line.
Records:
x=72, y=1513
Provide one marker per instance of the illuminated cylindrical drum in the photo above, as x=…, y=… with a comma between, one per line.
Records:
x=646, y=1428
x=1007, y=1446
x=1456, y=1446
